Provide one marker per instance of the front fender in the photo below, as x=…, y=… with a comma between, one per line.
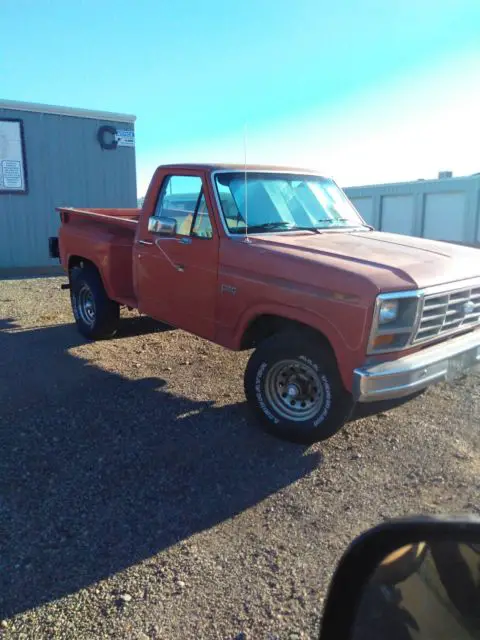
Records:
x=348, y=346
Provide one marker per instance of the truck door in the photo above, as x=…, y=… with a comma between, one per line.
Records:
x=176, y=276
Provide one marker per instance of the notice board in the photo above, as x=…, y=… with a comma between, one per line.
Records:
x=13, y=171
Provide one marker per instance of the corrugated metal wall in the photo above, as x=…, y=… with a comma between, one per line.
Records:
x=446, y=209
x=65, y=167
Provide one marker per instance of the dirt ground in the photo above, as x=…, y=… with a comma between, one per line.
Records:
x=139, y=500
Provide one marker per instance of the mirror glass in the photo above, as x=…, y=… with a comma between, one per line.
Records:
x=424, y=591
x=162, y=226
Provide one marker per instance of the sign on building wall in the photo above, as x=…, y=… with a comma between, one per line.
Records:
x=125, y=138
x=12, y=157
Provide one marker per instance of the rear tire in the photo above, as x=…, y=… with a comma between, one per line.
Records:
x=96, y=315
x=293, y=385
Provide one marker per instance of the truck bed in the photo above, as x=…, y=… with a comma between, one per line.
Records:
x=106, y=237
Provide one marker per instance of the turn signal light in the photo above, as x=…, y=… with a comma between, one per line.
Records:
x=383, y=341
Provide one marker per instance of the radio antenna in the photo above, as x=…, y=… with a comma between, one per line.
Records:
x=246, y=187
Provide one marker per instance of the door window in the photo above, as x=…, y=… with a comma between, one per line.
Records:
x=202, y=227
x=182, y=198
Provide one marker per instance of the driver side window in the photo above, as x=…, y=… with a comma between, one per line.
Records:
x=182, y=199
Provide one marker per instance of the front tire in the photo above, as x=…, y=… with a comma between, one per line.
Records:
x=293, y=385
x=96, y=315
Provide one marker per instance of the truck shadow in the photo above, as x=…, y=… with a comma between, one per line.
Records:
x=98, y=472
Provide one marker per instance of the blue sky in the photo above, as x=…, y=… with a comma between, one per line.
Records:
x=365, y=90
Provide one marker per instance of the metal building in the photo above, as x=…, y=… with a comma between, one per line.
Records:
x=444, y=209
x=57, y=156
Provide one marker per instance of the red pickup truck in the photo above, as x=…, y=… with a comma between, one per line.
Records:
x=278, y=260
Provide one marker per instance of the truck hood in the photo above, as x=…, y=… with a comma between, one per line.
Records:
x=390, y=261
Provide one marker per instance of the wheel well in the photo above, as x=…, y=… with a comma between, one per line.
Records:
x=78, y=261
x=265, y=326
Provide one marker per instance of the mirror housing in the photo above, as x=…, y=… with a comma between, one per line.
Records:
x=162, y=226
x=359, y=567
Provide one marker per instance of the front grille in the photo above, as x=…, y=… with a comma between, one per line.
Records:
x=448, y=312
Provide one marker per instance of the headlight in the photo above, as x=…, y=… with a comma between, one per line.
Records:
x=388, y=311
x=394, y=320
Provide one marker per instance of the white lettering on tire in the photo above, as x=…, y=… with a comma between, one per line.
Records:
x=258, y=393
x=327, y=390
x=308, y=361
x=328, y=401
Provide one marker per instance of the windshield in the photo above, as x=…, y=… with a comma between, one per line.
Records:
x=283, y=202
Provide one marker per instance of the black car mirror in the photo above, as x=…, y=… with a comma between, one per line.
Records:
x=417, y=578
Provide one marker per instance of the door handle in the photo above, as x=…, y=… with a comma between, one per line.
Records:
x=145, y=242
x=185, y=240
x=180, y=267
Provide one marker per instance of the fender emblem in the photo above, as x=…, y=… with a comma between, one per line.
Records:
x=226, y=288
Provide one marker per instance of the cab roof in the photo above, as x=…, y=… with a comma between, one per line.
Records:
x=210, y=167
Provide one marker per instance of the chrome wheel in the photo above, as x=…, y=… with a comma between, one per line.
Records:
x=294, y=390
x=86, y=305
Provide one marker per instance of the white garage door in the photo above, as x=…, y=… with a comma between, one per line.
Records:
x=364, y=207
x=444, y=216
x=398, y=214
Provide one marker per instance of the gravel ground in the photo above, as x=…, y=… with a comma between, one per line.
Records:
x=138, y=500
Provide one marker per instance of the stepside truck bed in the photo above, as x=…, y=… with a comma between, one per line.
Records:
x=105, y=237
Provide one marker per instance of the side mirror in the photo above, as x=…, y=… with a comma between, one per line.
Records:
x=162, y=226
x=411, y=578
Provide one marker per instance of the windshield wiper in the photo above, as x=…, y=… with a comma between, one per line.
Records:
x=312, y=229
x=330, y=221
x=268, y=225
x=280, y=225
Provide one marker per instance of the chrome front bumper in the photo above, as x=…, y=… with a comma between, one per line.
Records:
x=397, y=378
